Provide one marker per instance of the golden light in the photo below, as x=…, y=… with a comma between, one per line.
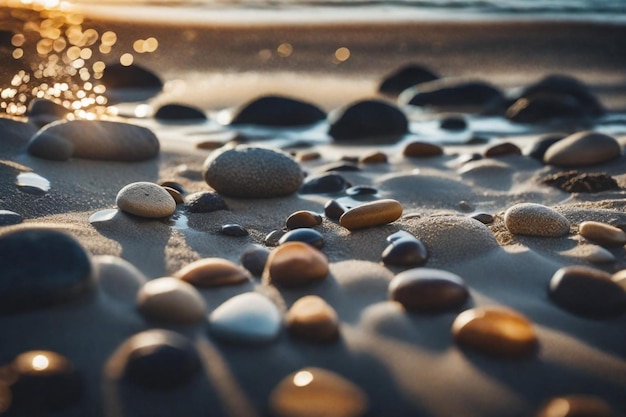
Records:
x=302, y=378
x=18, y=53
x=284, y=50
x=151, y=44
x=108, y=38
x=127, y=59
x=40, y=363
x=342, y=54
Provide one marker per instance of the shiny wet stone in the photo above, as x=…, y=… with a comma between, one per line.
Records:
x=213, y=272
x=427, y=290
x=312, y=319
x=8, y=218
x=405, y=252
x=303, y=219
x=234, y=230
x=254, y=259
x=273, y=237
x=309, y=236
x=295, y=264
x=171, y=300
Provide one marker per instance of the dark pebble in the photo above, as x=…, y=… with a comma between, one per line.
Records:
x=43, y=111
x=452, y=94
x=234, y=230
x=138, y=82
x=254, y=259
x=541, y=146
x=8, y=218
x=503, y=149
x=324, y=184
x=368, y=121
x=400, y=234
x=204, y=202
x=576, y=182
x=427, y=290
x=272, y=238
x=545, y=108
x=360, y=190
x=309, y=236
x=478, y=140
x=303, y=218
x=484, y=218
x=277, y=111
x=405, y=77
x=341, y=166
x=453, y=123
x=333, y=209
x=179, y=112
x=173, y=184
x=405, y=252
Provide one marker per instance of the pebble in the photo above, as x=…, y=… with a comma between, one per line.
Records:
x=234, y=230
x=145, y=199
x=213, y=272
x=405, y=252
x=453, y=123
x=40, y=268
x=370, y=214
x=273, y=237
x=308, y=236
x=204, y=202
x=361, y=190
x=173, y=185
x=577, y=405
x=156, y=359
x=312, y=319
x=175, y=194
x=117, y=76
x=44, y=382
x=171, y=300
x=94, y=139
x=495, y=331
x=303, y=218
x=324, y=184
x=309, y=392
x=452, y=94
x=400, y=234
x=502, y=149
x=374, y=158
x=340, y=167
x=308, y=156
x=247, y=318
x=540, y=147
x=602, y=233
x=587, y=292
x=582, y=149
x=405, y=77
x=43, y=111
x=543, y=109
x=278, y=111
x=295, y=264
x=369, y=121
x=118, y=278
x=8, y=218
x=422, y=150
x=427, y=290
x=179, y=112
x=254, y=259
x=250, y=172
x=533, y=219
x=333, y=209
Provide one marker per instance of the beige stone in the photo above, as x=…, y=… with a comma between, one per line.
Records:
x=583, y=148
x=172, y=300
x=535, y=220
x=313, y=319
x=602, y=233
x=374, y=213
x=145, y=199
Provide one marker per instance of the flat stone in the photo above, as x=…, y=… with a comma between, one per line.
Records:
x=213, y=272
x=132, y=83
x=171, y=300
x=254, y=259
x=368, y=121
x=278, y=111
x=295, y=264
x=309, y=236
x=324, y=184
x=175, y=112
x=495, y=331
x=587, y=292
x=312, y=319
x=422, y=150
x=8, y=218
x=582, y=149
x=145, y=199
x=118, y=278
x=303, y=218
x=370, y=214
x=484, y=218
x=204, y=202
x=309, y=392
x=535, y=220
x=94, y=139
x=542, y=108
x=248, y=318
x=249, y=172
x=602, y=233
x=590, y=253
x=577, y=405
x=405, y=77
x=427, y=290
x=40, y=268
x=452, y=94
x=408, y=251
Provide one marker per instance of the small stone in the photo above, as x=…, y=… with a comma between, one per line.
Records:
x=174, y=185
x=118, y=278
x=324, y=184
x=248, y=318
x=43, y=111
x=307, y=156
x=453, y=123
x=213, y=272
x=484, y=218
x=295, y=264
x=503, y=149
x=274, y=237
x=405, y=252
x=370, y=214
x=44, y=382
x=369, y=121
x=175, y=112
x=374, y=158
x=40, y=268
x=576, y=182
x=8, y=218
x=587, y=292
x=361, y=190
x=204, y=202
x=400, y=234
x=535, y=220
x=145, y=199
x=333, y=209
x=422, y=150
x=177, y=196
x=427, y=290
x=94, y=139
x=234, y=230
x=452, y=94
x=308, y=236
x=303, y=218
x=602, y=233
x=254, y=259
x=312, y=319
x=249, y=172
x=541, y=146
x=575, y=406
x=278, y=111
x=171, y=300
x=405, y=77
x=583, y=148
x=310, y=392
x=495, y=331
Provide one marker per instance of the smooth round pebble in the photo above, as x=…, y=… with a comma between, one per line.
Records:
x=8, y=218
x=118, y=278
x=453, y=123
x=587, y=292
x=333, y=209
x=544, y=142
x=250, y=172
x=427, y=290
x=295, y=264
x=582, y=149
x=309, y=236
x=374, y=158
x=502, y=149
x=312, y=319
x=173, y=184
x=204, y=202
x=315, y=392
x=302, y=219
x=370, y=214
x=452, y=94
x=368, y=120
x=484, y=218
x=174, y=112
x=278, y=111
x=145, y=199
x=495, y=331
x=405, y=252
x=324, y=184
x=576, y=405
x=254, y=259
x=400, y=234
x=213, y=272
x=620, y=278
x=602, y=233
x=405, y=77
x=422, y=150
x=533, y=219
x=234, y=230
x=171, y=300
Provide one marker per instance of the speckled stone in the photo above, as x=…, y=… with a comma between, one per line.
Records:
x=171, y=300
x=213, y=272
x=368, y=120
x=370, y=214
x=405, y=77
x=495, y=331
x=44, y=382
x=118, y=278
x=312, y=319
x=577, y=405
x=427, y=290
x=204, y=202
x=324, y=184
x=277, y=111
x=94, y=139
x=145, y=199
x=581, y=149
x=309, y=392
x=303, y=218
x=309, y=236
x=249, y=172
x=374, y=158
x=175, y=112
x=502, y=149
x=535, y=220
x=248, y=318
x=8, y=217
x=234, y=230
x=254, y=259
x=40, y=268
x=408, y=251
x=295, y=264
x=333, y=209
x=587, y=292
x=422, y=150
x=602, y=233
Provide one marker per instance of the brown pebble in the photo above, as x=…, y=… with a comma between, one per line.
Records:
x=428, y=290
x=303, y=218
x=177, y=196
x=333, y=209
x=422, y=150
x=171, y=300
x=213, y=272
x=620, y=278
x=374, y=158
x=495, y=331
x=311, y=318
x=273, y=237
x=575, y=406
x=209, y=144
x=602, y=233
x=370, y=214
x=503, y=149
x=307, y=156
x=294, y=264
